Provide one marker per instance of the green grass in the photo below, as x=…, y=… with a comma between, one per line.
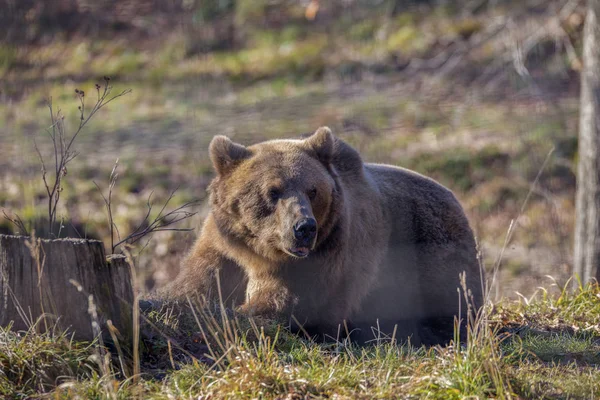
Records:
x=36, y=363
x=228, y=356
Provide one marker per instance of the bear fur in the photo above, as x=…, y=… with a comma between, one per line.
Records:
x=388, y=249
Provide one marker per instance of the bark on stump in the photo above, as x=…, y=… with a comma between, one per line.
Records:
x=65, y=283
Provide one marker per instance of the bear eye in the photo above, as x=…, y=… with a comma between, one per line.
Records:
x=312, y=193
x=274, y=194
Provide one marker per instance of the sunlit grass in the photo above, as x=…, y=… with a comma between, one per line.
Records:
x=230, y=356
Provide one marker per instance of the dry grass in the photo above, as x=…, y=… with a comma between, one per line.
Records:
x=213, y=353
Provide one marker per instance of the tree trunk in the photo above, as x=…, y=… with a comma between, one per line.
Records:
x=587, y=224
x=67, y=282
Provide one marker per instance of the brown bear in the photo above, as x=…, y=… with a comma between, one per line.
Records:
x=305, y=228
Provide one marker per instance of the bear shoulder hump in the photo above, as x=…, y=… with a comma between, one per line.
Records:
x=346, y=159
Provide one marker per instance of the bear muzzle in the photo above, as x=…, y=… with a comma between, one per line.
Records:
x=305, y=235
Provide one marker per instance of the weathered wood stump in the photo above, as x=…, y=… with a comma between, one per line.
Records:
x=68, y=282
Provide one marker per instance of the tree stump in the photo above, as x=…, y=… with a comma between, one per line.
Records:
x=67, y=282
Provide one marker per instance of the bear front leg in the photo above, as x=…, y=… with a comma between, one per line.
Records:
x=207, y=275
x=268, y=296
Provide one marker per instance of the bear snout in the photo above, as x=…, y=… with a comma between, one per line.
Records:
x=305, y=231
x=305, y=234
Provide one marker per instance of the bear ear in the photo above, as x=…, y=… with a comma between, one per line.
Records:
x=225, y=154
x=322, y=142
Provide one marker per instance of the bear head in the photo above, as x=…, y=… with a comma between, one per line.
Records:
x=278, y=197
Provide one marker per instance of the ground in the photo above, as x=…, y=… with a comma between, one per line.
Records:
x=540, y=347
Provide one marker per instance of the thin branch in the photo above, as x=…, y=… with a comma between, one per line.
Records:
x=63, y=153
x=108, y=202
x=43, y=167
x=101, y=103
x=53, y=135
x=118, y=232
x=161, y=223
x=514, y=223
x=17, y=222
x=143, y=248
x=145, y=219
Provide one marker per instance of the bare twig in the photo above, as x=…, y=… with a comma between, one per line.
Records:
x=17, y=222
x=515, y=222
x=162, y=222
x=108, y=202
x=62, y=145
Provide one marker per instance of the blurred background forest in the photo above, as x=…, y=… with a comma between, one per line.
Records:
x=474, y=93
